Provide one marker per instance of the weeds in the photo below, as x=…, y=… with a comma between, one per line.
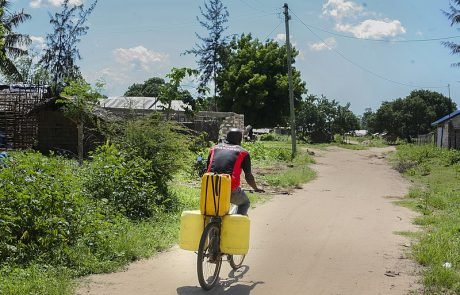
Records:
x=437, y=196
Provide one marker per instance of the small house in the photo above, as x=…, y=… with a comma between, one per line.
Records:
x=448, y=131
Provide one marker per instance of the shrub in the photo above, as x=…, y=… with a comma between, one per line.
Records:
x=41, y=207
x=125, y=182
x=165, y=145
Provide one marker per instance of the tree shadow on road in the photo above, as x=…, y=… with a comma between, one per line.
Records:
x=232, y=285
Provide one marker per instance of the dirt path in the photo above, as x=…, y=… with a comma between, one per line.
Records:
x=334, y=236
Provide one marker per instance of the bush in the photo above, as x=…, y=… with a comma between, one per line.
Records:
x=41, y=207
x=125, y=182
x=164, y=144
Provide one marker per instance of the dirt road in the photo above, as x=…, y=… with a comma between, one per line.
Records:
x=334, y=236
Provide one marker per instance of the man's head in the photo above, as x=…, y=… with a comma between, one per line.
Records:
x=234, y=136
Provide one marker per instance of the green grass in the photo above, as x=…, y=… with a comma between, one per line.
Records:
x=436, y=196
x=37, y=280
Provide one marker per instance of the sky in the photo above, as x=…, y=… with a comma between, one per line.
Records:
x=361, y=52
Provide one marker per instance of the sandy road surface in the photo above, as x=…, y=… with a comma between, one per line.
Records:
x=334, y=236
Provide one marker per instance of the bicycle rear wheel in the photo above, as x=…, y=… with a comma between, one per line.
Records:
x=209, y=258
x=236, y=261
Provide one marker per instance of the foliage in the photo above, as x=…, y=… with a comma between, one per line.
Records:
x=11, y=43
x=125, y=182
x=260, y=151
x=35, y=279
x=254, y=81
x=318, y=119
x=79, y=101
x=61, y=54
x=172, y=90
x=211, y=52
x=368, y=120
x=410, y=116
x=435, y=195
x=150, y=88
x=454, y=16
x=163, y=143
x=42, y=208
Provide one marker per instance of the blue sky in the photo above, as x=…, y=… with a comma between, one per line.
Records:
x=340, y=57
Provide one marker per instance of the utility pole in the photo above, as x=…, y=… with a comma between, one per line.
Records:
x=291, y=91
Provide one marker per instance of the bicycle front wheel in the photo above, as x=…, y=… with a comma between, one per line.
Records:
x=209, y=258
x=236, y=261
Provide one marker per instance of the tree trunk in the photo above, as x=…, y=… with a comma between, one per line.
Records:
x=80, y=142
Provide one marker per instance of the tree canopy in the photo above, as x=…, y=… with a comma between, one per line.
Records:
x=62, y=53
x=318, y=119
x=254, y=81
x=211, y=51
x=410, y=116
x=11, y=42
x=150, y=88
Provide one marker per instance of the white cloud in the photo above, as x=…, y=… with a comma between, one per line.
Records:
x=38, y=42
x=351, y=17
x=280, y=38
x=340, y=9
x=41, y=3
x=328, y=44
x=138, y=57
x=371, y=28
x=36, y=3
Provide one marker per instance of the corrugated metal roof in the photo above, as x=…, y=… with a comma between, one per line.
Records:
x=445, y=118
x=140, y=103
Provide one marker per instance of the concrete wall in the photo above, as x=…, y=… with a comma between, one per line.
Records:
x=231, y=121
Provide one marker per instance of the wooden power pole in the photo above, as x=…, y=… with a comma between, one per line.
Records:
x=291, y=90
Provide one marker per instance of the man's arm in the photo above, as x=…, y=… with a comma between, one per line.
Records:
x=246, y=165
x=252, y=182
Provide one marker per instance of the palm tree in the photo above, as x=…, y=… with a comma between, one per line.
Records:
x=11, y=43
x=454, y=17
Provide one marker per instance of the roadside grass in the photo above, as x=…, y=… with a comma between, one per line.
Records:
x=37, y=280
x=436, y=195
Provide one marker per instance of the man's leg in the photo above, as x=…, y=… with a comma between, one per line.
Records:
x=240, y=199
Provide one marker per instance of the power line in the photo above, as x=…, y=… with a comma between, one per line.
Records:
x=377, y=40
x=253, y=7
x=361, y=67
x=273, y=31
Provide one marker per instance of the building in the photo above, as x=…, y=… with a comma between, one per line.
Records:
x=215, y=124
x=448, y=131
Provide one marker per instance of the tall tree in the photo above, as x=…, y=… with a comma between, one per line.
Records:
x=62, y=53
x=11, y=43
x=211, y=50
x=254, y=82
x=454, y=16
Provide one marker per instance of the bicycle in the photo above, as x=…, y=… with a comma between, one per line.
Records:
x=209, y=259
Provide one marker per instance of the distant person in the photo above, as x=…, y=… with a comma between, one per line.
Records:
x=249, y=132
x=229, y=157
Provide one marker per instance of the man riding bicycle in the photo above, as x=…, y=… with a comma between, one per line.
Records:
x=230, y=158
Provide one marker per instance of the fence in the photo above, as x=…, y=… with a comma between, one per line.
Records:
x=426, y=139
x=19, y=127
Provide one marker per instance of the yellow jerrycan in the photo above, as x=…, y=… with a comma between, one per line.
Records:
x=235, y=234
x=191, y=227
x=215, y=194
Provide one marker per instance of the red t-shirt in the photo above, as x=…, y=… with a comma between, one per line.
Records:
x=229, y=159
